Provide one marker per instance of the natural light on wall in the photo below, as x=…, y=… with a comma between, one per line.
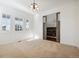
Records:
x=34, y=37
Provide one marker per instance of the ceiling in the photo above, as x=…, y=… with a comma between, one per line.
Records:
x=43, y=4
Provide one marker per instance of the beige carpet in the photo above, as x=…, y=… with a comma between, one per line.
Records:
x=38, y=48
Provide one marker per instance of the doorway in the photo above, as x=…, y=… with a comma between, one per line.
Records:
x=51, y=27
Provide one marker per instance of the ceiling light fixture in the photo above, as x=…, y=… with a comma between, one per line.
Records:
x=34, y=6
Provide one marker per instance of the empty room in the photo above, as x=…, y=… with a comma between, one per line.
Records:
x=39, y=28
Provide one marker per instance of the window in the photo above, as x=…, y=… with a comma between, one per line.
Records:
x=5, y=22
x=18, y=24
x=27, y=24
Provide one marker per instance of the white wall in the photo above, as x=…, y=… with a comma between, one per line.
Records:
x=68, y=30
x=12, y=36
x=51, y=20
x=77, y=23
x=38, y=22
x=68, y=22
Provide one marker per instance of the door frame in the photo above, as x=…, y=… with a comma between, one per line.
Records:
x=58, y=26
x=45, y=23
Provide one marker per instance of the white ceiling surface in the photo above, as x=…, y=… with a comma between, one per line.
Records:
x=44, y=5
